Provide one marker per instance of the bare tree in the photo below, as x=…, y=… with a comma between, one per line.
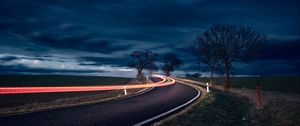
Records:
x=251, y=57
x=205, y=50
x=143, y=60
x=233, y=42
x=170, y=63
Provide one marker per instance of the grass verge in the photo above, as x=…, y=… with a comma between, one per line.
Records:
x=236, y=106
x=216, y=109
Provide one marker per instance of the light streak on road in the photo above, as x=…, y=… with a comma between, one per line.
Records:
x=22, y=90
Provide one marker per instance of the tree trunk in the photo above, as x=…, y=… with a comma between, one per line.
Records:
x=227, y=81
x=168, y=73
x=211, y=77
x=138, y=76
x=258, y=95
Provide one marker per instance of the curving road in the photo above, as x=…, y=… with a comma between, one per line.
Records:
x=122, y=112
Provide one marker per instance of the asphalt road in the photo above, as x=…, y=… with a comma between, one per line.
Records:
x=120, y=112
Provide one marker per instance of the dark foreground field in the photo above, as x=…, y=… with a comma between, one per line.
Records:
x=16, y=103
x=287, y=84
x=237, y=106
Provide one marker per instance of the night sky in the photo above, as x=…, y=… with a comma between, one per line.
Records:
x=82, y=37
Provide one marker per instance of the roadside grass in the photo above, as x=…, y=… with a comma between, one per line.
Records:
x=278, y=109
x=237, y=106
x=217, y=109
x=287, y=84
x=19, y=103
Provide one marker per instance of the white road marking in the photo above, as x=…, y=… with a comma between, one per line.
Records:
x=170, y=111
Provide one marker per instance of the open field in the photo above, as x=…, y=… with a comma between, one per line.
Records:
x=287, y=84
x=15, y=103
x=54, y=80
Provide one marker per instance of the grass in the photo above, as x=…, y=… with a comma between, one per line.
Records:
x=217, y=109
x=287, y=84
x=16, y=103
x=278, y=109
x=55, y=80
x=237, y=107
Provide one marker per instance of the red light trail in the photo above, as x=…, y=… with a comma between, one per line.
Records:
x=23, y=90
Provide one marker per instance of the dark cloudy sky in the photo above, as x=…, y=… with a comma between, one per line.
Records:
x=95, y=37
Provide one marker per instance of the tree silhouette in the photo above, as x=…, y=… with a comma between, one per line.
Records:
x=143, y=60
x=206, y=52
x=170, y=63
x=232, y=42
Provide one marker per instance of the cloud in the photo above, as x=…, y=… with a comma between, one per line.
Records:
x=83, y=43
x=118, y=61
x=21, y=69
x=88, y=34
x=267, y=67
x=284, y=50
x=8, y=58
x=21, y=64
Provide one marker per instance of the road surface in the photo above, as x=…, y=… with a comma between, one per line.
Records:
x=122, y=112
